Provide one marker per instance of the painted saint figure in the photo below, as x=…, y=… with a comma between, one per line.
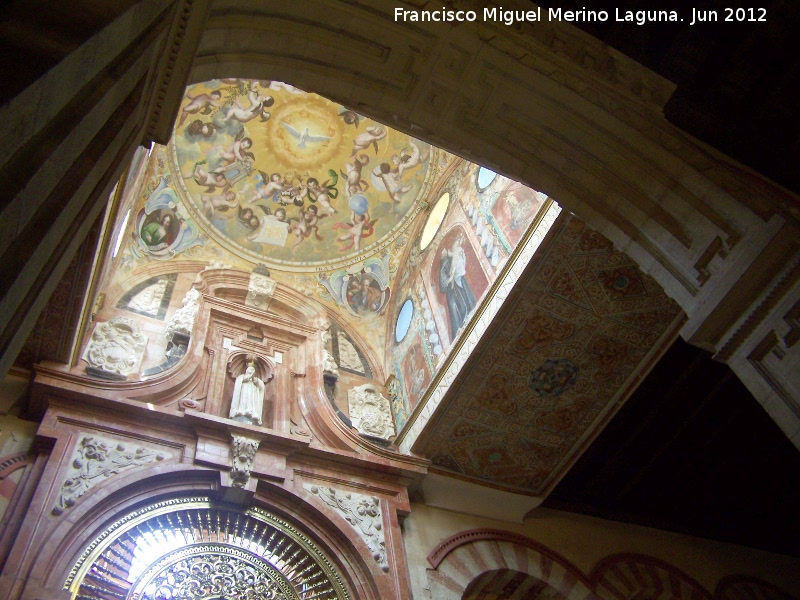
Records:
x=453, y=284
x=248, y=397
x=158, y=232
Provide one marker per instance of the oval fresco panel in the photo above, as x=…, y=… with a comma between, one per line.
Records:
x=291, y=179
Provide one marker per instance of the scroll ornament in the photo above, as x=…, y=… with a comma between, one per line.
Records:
x=95, y=461
x=363, y=513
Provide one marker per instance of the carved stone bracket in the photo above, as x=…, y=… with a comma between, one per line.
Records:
x=244, y=454
x=95, y=460
x=370, y=412
x=362, y=512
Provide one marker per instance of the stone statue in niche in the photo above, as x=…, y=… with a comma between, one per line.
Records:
x=115, y=349
x=370, y=412
x=247, y=403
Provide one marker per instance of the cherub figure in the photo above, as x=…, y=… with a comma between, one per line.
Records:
x=305, y=225
x=391, y=181
x=210, y=179
x=257, y=108
x=268, y=188
x=238, y=150
x=358, y=228
x=371, y=135
x=355, y=183
x=322, y=193
x=214, y=204
x=406, y=162
x=204, y=103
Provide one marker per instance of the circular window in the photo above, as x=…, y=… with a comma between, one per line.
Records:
x=434, y=221
x=485, y=178
x=403, y=320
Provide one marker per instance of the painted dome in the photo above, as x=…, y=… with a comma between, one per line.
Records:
x=292, y=180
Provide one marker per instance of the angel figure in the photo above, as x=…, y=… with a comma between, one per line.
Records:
x=258, y=108
x=371, y=135
x=358, y=228
x=269, y=188
x=406, y=162
x=204, y=103
x=305, y=225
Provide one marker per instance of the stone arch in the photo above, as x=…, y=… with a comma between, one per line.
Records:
x=740, y=587
x=461, y=559
x=508, y=585
x=70, y=540
x=626, y=576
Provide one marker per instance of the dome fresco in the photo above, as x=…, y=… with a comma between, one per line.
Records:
x=395, y=241
x=290, y=179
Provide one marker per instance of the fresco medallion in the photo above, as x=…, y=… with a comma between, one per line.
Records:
x=292, y=180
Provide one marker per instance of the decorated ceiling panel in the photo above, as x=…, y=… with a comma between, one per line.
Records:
x=587, y=322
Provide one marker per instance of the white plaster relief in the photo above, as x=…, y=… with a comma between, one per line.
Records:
x=348, y=355
x=115, y=349
x=149, y=299
x=96, y=459
x=259, y=291
x=329, y=365
x=183, y=319
x=418, y=422
x=362, y=512
x=370, y=412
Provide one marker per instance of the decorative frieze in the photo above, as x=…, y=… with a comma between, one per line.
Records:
x=362, y=512
x=95, y=460
x=115, y=349
x=370, y=412
x=244, y=454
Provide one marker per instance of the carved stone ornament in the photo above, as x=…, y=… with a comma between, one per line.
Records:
x=370, y=412
x=363, y=513
x=348, y=355
x=259, y=291
x=183, y=319
x=329, y=365
x=95, y=460
x=148, y=301
x=244, y=454
x=115, y=349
